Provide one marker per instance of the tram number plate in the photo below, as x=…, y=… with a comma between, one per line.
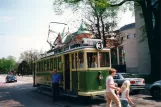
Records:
x=99, y=87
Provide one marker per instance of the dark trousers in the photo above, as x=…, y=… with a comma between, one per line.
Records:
x=55, y=90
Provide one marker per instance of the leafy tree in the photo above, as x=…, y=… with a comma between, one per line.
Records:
x=97, y=16
x=151, y=15
x=7, y=64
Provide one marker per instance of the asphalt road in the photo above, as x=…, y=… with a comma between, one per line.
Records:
x=23, y=94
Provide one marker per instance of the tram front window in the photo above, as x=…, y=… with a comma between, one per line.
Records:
x=104, y=59
x=92, y=60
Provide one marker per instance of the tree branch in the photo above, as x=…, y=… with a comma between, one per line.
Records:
x=119, y=4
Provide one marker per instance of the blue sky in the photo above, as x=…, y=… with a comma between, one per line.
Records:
x=24, y=25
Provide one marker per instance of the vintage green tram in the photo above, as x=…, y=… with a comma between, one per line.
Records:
x=83, y=64
x=83, y=69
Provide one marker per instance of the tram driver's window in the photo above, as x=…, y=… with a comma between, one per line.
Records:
x=92, y=60
x=104, y=59
x=80, y=60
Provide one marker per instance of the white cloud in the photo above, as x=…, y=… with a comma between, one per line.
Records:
x=6, y=18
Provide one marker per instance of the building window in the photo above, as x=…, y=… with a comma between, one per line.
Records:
x=135, y=35
x=128, y=36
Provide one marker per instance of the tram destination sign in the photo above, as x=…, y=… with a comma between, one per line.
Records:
x=91, y=42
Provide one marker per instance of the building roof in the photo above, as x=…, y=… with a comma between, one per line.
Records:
x=82, y=29
x=126, y=27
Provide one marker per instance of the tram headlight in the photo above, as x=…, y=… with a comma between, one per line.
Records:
x=100, y=78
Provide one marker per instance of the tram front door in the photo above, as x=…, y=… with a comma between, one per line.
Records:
x=67, y=72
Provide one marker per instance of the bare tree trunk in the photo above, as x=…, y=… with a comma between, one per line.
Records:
x=153, y=38
x=103, y=32
x=98, y=27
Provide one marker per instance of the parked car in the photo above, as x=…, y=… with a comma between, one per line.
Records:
x=155, y=90
x=137, y=84
x=11, y=78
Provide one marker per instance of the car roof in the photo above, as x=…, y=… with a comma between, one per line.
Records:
x=10, y=75
x=122, y=73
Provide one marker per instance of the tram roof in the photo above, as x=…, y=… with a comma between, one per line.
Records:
x=57, y=52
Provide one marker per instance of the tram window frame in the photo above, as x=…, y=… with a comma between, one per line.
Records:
x=90, y=58
x=105, y=60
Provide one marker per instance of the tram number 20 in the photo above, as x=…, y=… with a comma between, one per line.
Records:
x=99, y=45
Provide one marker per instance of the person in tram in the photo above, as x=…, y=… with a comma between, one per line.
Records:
x=81, y=63
x=94, y=61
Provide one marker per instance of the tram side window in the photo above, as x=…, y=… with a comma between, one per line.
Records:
x=80, y=60
x=39, y=66
x=45, y=63
x=42, y=66
x=38, y=69
x=92, y=60
x=73, y=64
x=104, y=59
x=51, y=63
x=56, y=63
x=59, y=64
x=76, y=60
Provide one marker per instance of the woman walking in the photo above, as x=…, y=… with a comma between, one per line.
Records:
x=110, y=87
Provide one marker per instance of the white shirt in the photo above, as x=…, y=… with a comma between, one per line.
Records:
x=109, y=80
x=123, y=94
